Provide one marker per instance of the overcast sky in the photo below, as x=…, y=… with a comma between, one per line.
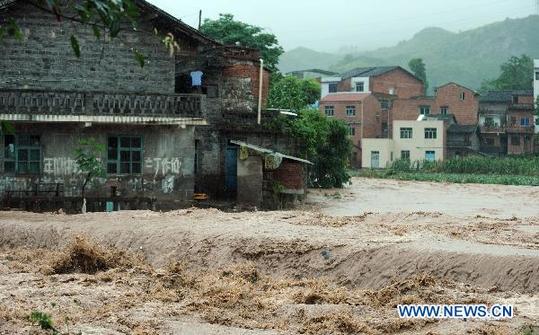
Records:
x=328, y=25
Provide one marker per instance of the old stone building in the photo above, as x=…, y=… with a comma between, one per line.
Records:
x=166, y=126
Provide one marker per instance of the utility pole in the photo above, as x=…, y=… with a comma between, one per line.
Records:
x=200, y=18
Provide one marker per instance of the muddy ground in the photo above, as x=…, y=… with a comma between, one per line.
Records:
x=307, y=271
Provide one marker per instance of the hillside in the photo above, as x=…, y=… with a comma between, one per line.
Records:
x=304, y=58
x=467, y=57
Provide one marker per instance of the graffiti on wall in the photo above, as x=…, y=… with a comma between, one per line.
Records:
x=60, y=166
x=163, y=166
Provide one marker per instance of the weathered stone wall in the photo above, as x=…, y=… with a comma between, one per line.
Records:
x=44, y=58
x=167, y=162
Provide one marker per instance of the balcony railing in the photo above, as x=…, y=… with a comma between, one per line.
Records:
x=492, y=129
x=518, y=129
x=101, y=104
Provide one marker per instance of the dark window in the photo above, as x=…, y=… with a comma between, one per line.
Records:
x=124, y=155
x=329, y=110
x=524, y=121
x=407, y=132
x=332, y=87
x=351, y=130
x=22, y=154
x=515, y=140
x=424, y=110
x=462, y=96
x=444, y=110
x=515, y=99
x=536, y=75
x=384, y=104
x=405, y=154
x=431, y=133
x=360, y=86
x=350, y=110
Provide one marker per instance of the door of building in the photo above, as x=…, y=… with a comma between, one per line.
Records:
x=231, y=170
x=375, y=159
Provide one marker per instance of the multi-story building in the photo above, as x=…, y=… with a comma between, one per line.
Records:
x=392, y=80
x=449, y=99
x=418, y=140
x=506, y=122
x=166, y=127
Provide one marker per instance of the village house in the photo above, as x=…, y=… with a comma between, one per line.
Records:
x=416, y=141
x=166, y=127
x=506, y=121
x=316, y=74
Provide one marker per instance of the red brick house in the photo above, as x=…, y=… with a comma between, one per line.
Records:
x=363, y=114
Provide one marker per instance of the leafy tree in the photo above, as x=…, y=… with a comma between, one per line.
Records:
x=325, y=142
x=292, y=93
x=88, y=157
x=419, y=69
x=104, y=17
x=516, y=74
x=231, y=32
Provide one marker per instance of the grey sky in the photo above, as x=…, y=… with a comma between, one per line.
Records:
x=328, y=25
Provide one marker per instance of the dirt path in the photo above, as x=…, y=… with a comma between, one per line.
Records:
x=313, y=273
x=461, y=200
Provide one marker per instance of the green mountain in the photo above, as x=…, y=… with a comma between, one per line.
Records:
x=468, y=57
x=304, y=58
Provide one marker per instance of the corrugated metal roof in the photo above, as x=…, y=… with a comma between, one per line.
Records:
x=345, y=97
x=269, y=152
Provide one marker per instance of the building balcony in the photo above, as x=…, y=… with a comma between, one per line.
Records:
x=492, y=129
x=459, y=144
x=517, y=129
x=95, y=107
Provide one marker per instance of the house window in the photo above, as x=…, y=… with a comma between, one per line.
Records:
x=462, y=96
x=384, y=104
x=22, y=154
x=329, y=110
x=430, y=156
x=405, y=154
x=515, y=99
x=350, y=110
x=124, y=155
x=406, y=132
x=332, y=87
x=351, y=130
x=424, y=110
x=444, y=110
x=360, y=86
x=513, y=121
x=431, y=133
x=524, y=121
x=536, y=75
x=515, y=140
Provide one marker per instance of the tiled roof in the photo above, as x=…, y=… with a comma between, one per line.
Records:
x=345, y=97
x=368, y=71
x=503, y=96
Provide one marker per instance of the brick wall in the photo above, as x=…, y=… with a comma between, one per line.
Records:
x=44, y=58
x=290, y=175
x=241, y=86
x=465, y=111
x=404, y=84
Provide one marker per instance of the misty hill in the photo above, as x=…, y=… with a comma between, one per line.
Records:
x=468, y=57
x=304, y=58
